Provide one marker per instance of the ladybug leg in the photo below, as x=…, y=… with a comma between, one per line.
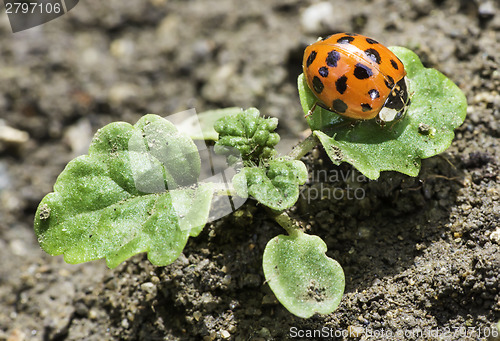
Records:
x=353, y=123
x=380, y=122
x=392, y=125
x=310, y=112
x=348, y=123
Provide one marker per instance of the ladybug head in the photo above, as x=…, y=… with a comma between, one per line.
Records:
x=396, y=104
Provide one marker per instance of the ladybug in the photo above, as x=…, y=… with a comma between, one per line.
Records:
x=357, y=77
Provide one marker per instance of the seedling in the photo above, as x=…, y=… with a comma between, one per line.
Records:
x=139, y=188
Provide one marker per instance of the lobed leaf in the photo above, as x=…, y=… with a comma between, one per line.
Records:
x=301, y=276
x=276, y=185
x=136, y=191
x=437, y=107
x=252, y=136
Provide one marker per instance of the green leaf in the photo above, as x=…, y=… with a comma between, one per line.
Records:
x=276, y=185
x=201, y=126
x=437, y=107
x=301, y=276
x=135, y=192
x=248, y=135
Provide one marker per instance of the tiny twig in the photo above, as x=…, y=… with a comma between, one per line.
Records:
x=439, y=176
x=303, y=147
x=284, y=220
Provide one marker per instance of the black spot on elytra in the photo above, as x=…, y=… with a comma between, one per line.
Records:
x=317, y=85
x=323, y=71
x=365, y=107
x=373, y=55
x=362, y=71
x=341, y=84
x=332, y=58
x=371, y=41
x=374, y=93
x=347, y=39
x=339, y=106
x=311, y=58
x=394, y=64
x=389, y=82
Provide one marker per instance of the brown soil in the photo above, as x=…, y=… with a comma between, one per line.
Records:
x=418, y=253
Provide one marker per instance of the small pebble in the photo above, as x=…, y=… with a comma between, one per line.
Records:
x=226, y=280
x=11, y=137
x=18, y=247
x=78, y=137
x=197, y=315
x=93, y=315
x=81, y=309
x=16, y=335
x=148, y=287
x=316, y=16
x=495, y=235
x=487, y=10
x=122, y=48
x=120, y=93
x=265, y=333
x=5, y=180
x=269, y=299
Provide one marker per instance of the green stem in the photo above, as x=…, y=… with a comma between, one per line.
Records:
x=281, y=217
x=303, y=147
x=284, y=220
x=297, y=152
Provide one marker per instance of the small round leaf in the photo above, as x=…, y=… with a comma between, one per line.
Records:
x=276, y=186
x=301, y=276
